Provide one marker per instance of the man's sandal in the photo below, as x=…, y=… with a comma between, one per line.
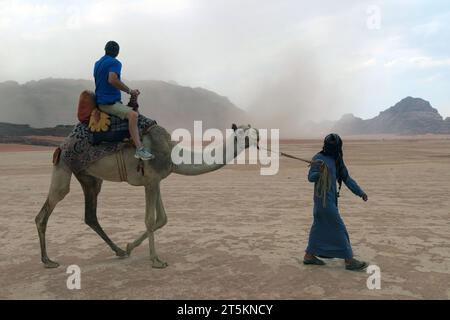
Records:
x=356, y=265
x=313, y=261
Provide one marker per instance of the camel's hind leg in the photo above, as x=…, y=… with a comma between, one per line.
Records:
x=59, y=188
x=91, y=188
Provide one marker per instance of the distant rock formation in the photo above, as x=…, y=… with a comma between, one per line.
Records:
x=29, y=140
x=409, y=116
x=51, y=102
x=24, y=134
x=10, y=129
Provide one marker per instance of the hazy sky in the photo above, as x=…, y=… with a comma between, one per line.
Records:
x=315, y=59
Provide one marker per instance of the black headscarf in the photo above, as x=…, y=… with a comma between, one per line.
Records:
x=332, y=147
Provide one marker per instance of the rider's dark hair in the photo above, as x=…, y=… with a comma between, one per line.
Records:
x=112, y=49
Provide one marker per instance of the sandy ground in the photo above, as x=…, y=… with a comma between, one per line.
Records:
x=236, y=234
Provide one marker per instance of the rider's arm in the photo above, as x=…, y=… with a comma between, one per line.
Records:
x=114, y=80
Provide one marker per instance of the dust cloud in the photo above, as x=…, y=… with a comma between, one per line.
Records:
x=297, y=96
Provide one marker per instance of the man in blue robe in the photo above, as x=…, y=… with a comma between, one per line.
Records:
x=328, y=237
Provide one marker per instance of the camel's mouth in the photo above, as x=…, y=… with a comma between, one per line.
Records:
x=247, y=135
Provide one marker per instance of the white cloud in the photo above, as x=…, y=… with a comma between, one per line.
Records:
x=18, y=13
x=160, y=6
x=432, y=78
x=429, y=62
x=428, y=29
x=417, y=62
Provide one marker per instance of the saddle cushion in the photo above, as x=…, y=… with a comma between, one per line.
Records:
x=86, y=104
x=104, y=127
x=107, y=128
x=99, y=121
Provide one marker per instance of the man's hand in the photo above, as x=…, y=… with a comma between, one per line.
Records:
x=365, y=197
x=322, y=168
x=321, y=165
x=135, y=92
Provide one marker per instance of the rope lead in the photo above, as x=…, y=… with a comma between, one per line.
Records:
x=323, y=185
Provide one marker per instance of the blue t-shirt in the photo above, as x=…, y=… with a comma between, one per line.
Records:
x=105, y=93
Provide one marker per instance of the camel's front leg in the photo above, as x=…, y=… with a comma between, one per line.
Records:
x=151, y=195
x=161, y=217
x=161, y=220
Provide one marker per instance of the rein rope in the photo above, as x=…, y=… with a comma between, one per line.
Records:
x=323, y=185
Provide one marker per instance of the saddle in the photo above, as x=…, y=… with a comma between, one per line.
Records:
x=104, y=127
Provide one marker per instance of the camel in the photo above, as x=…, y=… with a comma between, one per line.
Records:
x=150, y=177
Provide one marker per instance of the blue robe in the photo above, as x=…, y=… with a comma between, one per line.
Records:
x=328, y=236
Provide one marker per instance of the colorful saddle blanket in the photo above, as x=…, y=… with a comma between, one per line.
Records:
x=83, y=147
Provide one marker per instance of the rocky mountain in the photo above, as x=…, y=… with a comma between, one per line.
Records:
x=409, y=116
x=51, y=102
x=10, y=129
x=24, y=134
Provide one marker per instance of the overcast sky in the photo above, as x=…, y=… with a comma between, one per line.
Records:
x=324, y=58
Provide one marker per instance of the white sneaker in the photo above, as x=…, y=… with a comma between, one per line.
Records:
x=143, y=154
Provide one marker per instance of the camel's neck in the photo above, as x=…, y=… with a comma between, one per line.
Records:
x=230, y=150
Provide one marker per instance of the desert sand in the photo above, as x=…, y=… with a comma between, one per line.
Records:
x=234, y=234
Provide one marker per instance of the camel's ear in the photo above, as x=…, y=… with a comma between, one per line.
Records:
x=234, y=126
x=249, y=125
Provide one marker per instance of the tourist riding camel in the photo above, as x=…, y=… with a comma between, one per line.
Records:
x=108, y=87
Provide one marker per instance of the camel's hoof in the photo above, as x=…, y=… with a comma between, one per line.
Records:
x=158, y=264
x=51, y=264
x=122, y=253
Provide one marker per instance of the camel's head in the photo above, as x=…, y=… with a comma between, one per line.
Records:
x=246, y=133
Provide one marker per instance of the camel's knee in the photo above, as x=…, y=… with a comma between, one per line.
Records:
x=42, y=217
x=63, y=191
x=40, y=221
x=53, y=198
x=57, y=194
x=161, y=222
x=150, y=224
